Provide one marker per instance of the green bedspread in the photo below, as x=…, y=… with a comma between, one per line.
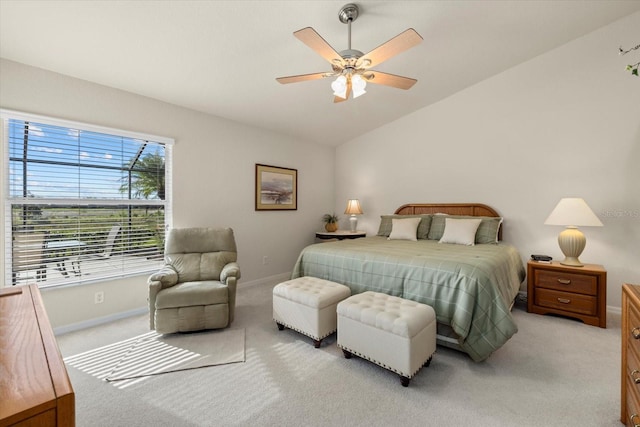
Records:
x=470, y=288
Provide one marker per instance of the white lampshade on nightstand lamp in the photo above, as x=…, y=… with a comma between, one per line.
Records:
x=572, y=213
x=353, y=209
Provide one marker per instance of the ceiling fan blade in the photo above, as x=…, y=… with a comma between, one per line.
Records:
x=311, y=38
x=403, y=41
x=387, y=79
x=301, y=78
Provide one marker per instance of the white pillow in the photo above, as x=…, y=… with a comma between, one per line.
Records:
x=460, y=231
x=404, y=229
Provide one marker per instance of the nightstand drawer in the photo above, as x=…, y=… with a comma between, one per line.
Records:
x=565, y=301
x=579, y=292
x=567, y=282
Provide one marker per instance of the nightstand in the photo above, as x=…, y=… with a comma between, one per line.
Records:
x=327, y=236
x=579, y=292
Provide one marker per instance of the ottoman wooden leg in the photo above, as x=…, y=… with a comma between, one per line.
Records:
x=428, y=362
x=280, y=326
x=316, y=343
x=404, y=381
x=347, y=354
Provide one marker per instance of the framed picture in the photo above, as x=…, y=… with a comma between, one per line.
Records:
x=276, y=188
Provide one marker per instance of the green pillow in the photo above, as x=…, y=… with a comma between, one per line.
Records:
x=487, y=231
x=386, y=224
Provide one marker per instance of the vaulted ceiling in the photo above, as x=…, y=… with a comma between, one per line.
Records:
x=222, y=57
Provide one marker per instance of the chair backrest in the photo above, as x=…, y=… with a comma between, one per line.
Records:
x=111, y=240
x=27, y=250
x=200, y=253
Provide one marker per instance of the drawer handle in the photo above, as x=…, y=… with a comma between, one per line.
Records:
x=564, y=300
x=632, y=417
x=635, y=376
x=564, y=281
x=636, y=333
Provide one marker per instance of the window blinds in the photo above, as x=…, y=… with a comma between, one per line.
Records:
x=84, y=203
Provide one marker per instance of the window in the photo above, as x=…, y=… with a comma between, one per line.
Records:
x=83, y=203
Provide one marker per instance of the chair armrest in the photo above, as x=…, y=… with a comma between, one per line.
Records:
x=230, y=270
x=167, y=276
x=164, y=278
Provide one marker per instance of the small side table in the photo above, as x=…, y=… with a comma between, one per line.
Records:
x=579, y=292
x=328, y=236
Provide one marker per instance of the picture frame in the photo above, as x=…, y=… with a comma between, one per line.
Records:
x=276, y=188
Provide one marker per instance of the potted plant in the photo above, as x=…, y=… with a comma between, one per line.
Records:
x=330, y=222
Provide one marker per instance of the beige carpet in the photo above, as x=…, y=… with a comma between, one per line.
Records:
x=554, y=372
x=154, y=354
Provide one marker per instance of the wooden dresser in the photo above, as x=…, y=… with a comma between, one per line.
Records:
x=579, y=292
x=630, y=383
x=35, y=388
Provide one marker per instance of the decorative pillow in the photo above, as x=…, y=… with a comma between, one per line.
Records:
x=404, y=229
x=437, y=226
x=460, y=231
x=386, y=224
x=487, y=231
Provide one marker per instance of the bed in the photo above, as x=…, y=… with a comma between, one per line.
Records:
x=471, y=288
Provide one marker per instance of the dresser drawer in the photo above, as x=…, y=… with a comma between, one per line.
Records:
x=566, y=301
x=568, y=282
x=633, y=406
x=633, y=367
x=634, y=328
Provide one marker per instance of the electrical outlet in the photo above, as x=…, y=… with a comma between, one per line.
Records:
x=265, y=260
x=98, y=298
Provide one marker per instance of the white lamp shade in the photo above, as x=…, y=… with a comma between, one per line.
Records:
x=353, y=207
x=357, y=85
x=339, y=87
x=573, y=211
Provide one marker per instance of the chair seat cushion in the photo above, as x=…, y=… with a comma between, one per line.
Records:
x=187, y=294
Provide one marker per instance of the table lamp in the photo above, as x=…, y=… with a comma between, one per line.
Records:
x=572, y=213
x=353, y=209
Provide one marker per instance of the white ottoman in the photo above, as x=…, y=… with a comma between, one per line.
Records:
x=395, y=333
x=308, y=305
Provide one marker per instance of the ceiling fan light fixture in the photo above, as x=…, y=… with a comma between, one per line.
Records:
x=351, y=65
x=358, y=84
x=339, y=87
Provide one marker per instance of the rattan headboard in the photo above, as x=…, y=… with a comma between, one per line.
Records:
x=471, y=209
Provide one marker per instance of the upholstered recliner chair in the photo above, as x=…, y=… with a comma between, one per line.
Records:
x=196, y=288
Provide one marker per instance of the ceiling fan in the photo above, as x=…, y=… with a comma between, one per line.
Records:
x=352, y=67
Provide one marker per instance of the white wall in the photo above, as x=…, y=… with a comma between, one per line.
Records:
x=214, y=179
x=565, y=124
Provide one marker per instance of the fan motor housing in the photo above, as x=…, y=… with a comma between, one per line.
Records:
x=350, y=54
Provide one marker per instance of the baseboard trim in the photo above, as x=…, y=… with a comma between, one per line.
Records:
x=266, y=281
x=271, y=280
x=614, y=310
x=99, y=320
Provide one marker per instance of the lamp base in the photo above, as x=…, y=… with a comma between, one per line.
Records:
x=572, y=261
x=572, y=243
x=353, y=223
